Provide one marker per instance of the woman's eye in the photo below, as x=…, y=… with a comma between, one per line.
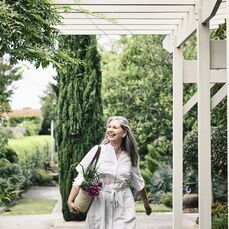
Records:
x=113, y=127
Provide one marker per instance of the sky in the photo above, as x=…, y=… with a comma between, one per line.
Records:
x=28, y=90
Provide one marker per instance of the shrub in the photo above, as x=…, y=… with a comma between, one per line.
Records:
x=31, y=127
x=11, y=181
x=32, y=152
x=11, y=155
x=14, y=132
x=3, y=142
x=30, y=124
x=15, y=120
x=218, y=157
x=219, y=215
x=43, y=178
x=219, y=222
x=158, y=151
x=167, y=199
x=161, y=182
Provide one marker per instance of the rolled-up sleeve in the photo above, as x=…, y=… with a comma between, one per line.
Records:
x=137, y=180
x=78, y=180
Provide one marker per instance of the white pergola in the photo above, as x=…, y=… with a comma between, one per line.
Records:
x=179, y=20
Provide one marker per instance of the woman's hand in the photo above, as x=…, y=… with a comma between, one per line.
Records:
x=144, y=198
x=72, y=208
x=147, y=207
x=73, y=193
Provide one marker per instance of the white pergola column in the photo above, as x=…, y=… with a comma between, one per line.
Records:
x=204, y=127
x=177, y=137
x=227, y=83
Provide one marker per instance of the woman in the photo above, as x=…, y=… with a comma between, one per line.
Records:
x=118, y=166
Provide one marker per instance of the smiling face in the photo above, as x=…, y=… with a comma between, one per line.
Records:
x=115, y=133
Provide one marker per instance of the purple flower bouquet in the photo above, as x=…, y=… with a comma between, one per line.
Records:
x=89, y=188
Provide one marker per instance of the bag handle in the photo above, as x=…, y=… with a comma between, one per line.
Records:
x=96, y=157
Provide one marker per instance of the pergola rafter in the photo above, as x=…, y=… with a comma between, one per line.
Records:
x=179, y=20
x=122, y=15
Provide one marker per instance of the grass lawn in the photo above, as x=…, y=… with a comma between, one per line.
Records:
x=29, y=143
x=43, y=206
x=31, y=207
x=155, y=207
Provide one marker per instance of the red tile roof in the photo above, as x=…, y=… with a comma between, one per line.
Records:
x=23, y=112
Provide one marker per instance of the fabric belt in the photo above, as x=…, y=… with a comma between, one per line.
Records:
x=116, y=196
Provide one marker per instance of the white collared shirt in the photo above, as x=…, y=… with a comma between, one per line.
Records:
x=117, y=170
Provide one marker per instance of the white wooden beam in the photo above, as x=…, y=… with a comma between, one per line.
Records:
x=168, y=43
x=217, y=22
x=128, y=8
x=177, y=138
x=227, y=13
x=218, y=54
x=190, y=70
x=135, y=21
x=123, y=2
x=219, y=96
x=187, y=27
x=221, y=11
x=192, y=102
x=126, y=15
x=204, y=130
x=114, y=32
x=218, y=76
x=217, y=64
x=209, y=9
x=116, y=27
x=215, y=100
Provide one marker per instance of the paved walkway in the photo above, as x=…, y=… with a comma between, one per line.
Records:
x=55, y=220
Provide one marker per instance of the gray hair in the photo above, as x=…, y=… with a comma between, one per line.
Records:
x=129, y=143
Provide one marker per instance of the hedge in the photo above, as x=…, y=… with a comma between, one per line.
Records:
x=32, y=151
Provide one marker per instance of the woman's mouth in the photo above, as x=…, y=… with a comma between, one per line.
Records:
x=111, y=135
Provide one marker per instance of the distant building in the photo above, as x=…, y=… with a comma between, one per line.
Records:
x=27, y=111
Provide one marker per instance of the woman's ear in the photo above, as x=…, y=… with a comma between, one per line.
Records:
x=125, y=133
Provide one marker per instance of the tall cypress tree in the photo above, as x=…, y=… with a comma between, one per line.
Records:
x=79, y=110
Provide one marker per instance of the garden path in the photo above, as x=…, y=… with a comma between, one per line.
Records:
x=55, y=220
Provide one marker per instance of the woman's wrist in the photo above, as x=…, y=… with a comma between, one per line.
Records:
x=70, y=201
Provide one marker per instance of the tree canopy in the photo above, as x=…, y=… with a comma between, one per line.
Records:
x=27, y=30
x=138, y=85
x=48, y=109
x=8, y=74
